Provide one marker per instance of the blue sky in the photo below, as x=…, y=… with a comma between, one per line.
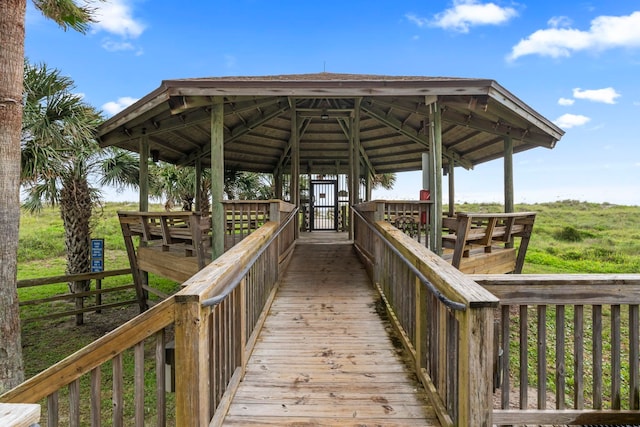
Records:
x=575, y=62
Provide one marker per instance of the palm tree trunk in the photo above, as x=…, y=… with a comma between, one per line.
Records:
x=12, y=14
x=75, y=209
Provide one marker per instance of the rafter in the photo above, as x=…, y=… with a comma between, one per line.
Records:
x=410, y=133
x=242, y=130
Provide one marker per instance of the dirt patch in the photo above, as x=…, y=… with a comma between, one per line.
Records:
x=46, y=342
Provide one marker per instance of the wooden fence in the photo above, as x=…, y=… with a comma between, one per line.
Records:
x=215, y=320
x=80, y=309
x=444, y=318
x=576, y=341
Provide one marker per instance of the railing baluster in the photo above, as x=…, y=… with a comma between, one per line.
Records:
x=161, y=378
x=578, y=354
x=74, y=403
x=96, y=398
x=560, y=357
x=52, y=409
x=615, y=357
x=542, y=356
x=524, y=364
x=597, y=356
x=505, y=343
x=118, y=391
x=138, y=353
x=634, y=357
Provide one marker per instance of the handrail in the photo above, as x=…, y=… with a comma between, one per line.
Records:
x=454, y=305
x=213, y=301
x=93, y=355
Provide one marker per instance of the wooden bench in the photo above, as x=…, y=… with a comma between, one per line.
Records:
x=491, y=234
x=174, y=245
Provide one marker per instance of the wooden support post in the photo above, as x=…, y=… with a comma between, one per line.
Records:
x=356, y=149
x=295, y=161
x=452, y=188
x=192, y=362
x=198, y=185
x=295, y=156
x=144, y=174
x=508, y=175
x=277, y=179
x=508, y=179
x=475, y=367
x=218, y=219
x=352, y=199
x=435, y=152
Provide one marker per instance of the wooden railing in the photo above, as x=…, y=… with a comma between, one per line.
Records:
x=487, y=233
x=243, y=218
x=576, y=342
x=80, y=308
x=410, y=216
x=444, y=318
x=215, y=320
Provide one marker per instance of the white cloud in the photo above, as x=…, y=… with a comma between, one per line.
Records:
x=115, y=46
x=566, y=102
x=116, y=17
x=114, y=107
x=466, y=14
x=420, y=22
x=567, y=121
x=607, y=95
x=559, y=21
x=606, y=32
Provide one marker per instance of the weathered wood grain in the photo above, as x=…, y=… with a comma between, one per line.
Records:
x=324, y=356
x=19, y=414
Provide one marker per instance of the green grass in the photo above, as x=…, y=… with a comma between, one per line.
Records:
x=568, y=237
x=579, y=237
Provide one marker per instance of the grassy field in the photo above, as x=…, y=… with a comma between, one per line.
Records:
x=569, y=237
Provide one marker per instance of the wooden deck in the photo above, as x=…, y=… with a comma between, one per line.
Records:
x=324, y=356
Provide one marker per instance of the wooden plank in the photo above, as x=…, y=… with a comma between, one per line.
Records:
x=325, y=356
x=19, y=414
x=565, y=417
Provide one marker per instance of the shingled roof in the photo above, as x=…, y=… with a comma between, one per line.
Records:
x=395, y=118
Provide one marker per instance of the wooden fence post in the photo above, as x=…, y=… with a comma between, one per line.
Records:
x=192, y=362
x=475, y=367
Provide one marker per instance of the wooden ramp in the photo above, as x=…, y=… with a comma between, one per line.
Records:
x=324, y=356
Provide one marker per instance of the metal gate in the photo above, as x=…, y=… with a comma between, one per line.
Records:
x=323, y=210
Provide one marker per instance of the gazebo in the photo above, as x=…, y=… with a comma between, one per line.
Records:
x=337, y=124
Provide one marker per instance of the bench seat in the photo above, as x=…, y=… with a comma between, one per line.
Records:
x=472, y=234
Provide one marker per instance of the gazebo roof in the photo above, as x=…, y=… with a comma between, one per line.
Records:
x=477, y=115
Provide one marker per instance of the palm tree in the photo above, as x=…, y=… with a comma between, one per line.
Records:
x=384, y=180
x=60, y=157
x=12, y=13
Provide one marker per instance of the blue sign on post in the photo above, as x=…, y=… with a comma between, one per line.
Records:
x=97, y=255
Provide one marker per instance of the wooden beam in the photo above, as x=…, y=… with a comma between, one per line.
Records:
x=452, y=188
x=295, y=156
x=356, y=147
x=436, y=191
x=218, y=220
x=410, y=133
x=198, y=185
x=501, y=128
x=508, y=175
x=144, y=174
x=240, y=131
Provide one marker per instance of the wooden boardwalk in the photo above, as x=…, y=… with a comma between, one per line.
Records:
x=324, y=356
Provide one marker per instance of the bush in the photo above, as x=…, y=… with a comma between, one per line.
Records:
x=569, y=234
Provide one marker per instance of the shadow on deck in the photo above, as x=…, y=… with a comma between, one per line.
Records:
x=324, y=356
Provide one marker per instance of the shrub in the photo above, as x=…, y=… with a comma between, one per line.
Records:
x=568, y=234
